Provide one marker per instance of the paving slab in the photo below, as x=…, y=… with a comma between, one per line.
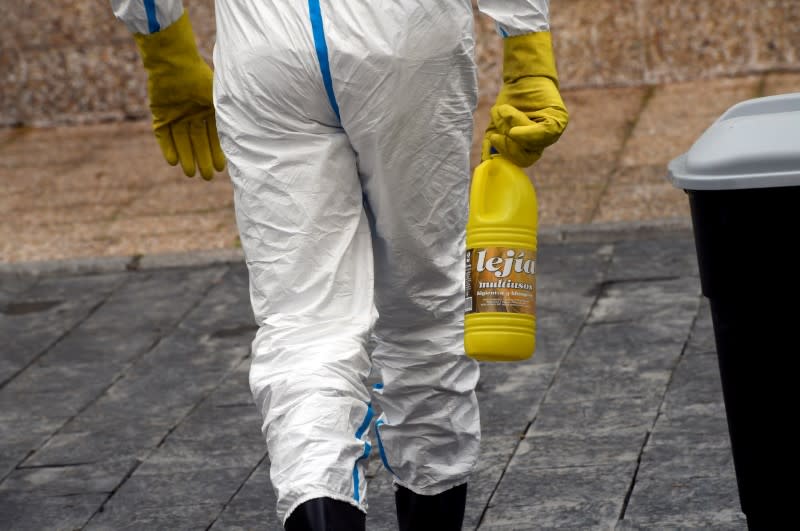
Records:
x=671, y=301
x=34, y=319
x=544, y=447
x=253, y=505
x=212, y=486
x=641, y=260
x=509, y=396
x=558, y=498
x=68, y=480
x=646, y=345
x=23, y=511
x=701, y=341
x=686, y=466
x=691, y=502
x=617, y=421
x=177, y=517
x=596, y=414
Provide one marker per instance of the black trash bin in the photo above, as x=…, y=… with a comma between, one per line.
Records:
x=743, y=181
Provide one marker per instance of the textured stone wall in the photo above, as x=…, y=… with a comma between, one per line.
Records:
x=69, y=61
x=632, y=42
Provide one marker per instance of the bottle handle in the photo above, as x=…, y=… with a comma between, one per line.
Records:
x=479, y=182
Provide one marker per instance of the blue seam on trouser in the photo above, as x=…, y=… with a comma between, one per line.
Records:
x=152, y=21
x=380, y=447
x=367, y=450
x=315, y=13
x=365, y=424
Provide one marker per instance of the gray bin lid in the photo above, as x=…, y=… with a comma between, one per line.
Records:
x=754, y=144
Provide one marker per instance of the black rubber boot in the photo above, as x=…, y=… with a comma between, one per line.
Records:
x=442, y=512
x=326, y=514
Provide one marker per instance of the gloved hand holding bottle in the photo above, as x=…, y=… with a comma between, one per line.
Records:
x=529, y=114
x=179, y=85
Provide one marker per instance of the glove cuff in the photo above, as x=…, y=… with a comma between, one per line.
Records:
x=529, y=55
x=176, y=40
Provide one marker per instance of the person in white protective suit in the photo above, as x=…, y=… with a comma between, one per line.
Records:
x=347, y=128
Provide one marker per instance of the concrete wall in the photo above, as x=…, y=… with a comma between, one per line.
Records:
x=69, y=61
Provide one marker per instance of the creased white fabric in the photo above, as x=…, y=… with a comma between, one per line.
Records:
x=326, y=271
x=517, y=17
x=134, y=13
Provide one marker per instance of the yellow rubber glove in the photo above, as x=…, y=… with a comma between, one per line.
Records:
x=529, y=114
x=179, y=85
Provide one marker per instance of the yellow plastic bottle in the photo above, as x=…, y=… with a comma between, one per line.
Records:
x=500, y=320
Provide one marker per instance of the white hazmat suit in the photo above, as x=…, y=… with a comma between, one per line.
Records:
x=347, y=128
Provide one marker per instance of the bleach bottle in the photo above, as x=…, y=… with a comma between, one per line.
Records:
x=500, y=320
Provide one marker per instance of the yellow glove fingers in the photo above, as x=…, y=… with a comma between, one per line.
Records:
x=183, y=143
x=164, y=138
x=198, y=133
x=514, y=151
x=216, y=151
x=505, y=116
x=529, y=114
x=181, y=98
x=545, y=129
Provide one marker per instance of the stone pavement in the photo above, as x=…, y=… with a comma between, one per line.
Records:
x=104, y=190
x=124, y=401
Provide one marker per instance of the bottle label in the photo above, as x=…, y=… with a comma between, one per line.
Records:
x=501, y=279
